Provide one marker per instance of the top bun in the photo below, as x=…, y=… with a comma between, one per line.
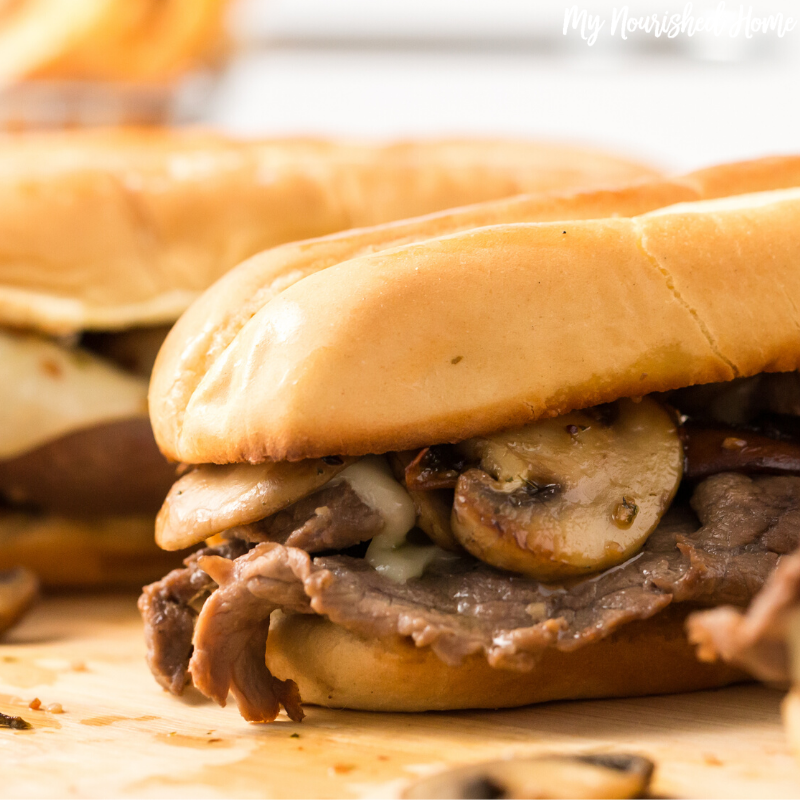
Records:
x=322, y=348
x=114, y=228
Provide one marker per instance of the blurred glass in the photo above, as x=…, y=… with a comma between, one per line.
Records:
x=89, y=62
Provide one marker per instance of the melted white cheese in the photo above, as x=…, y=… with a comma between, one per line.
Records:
x=389, y=552
x=47, y=390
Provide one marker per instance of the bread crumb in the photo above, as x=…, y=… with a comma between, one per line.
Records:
x=35, y=704
x=54, y=708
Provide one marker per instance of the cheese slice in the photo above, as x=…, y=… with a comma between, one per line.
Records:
x=48, y=390
x=390, y=553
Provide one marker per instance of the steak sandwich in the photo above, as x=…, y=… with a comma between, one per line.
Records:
x=451, y=464
x=107, y=236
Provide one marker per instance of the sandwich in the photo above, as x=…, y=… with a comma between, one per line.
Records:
x=475, y=461
x=107, y=237
x=494, y=466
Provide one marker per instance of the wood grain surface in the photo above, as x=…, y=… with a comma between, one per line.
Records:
x=121, y=736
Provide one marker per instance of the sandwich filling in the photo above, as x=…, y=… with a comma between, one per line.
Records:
x=554, y=535
x=76, y=449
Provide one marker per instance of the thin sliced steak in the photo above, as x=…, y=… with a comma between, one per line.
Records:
x=333, y=518
x=169, y=608
x=757, y=640
x=109, y=468
x=461, y=606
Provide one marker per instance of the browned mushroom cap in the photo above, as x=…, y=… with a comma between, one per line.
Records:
x=713, y=450
x=592, y=776
x=433, y=505
x=215, y=497
x=434, y=509
x=436, y=467
x=570, y=495
x=18, y=589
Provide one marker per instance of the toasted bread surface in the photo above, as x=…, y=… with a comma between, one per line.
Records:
x=462, y=334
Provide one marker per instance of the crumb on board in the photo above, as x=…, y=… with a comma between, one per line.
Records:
x=35, y=704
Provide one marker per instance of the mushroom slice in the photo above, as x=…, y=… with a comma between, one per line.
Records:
x=571, y=495
x=433, y=506
x=215, y=497
x=713, y=450
x=18, y=589
x=593, y=776
x=436, y=467
x=433, y=516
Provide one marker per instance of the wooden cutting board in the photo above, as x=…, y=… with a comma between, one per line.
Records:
x=121, y=736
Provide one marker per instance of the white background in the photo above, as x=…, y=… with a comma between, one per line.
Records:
x=392, y=68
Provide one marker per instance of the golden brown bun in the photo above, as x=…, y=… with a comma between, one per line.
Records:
x=110, y=551
x=483, y=330
x=335, y=668
x=114, y=228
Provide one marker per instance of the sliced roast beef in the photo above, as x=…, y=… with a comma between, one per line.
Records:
x=169, y=608
x=757, y=640
x=333, y=518
x=231, y=635
x=461, y=606
x=110, y=468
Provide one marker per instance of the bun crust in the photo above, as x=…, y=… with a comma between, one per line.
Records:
x=335, y=668
x=478, y=331
x=113, y=228
x=73, y=553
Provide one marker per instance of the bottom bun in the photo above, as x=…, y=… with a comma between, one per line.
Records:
x=63, y=552
x=333, y=667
